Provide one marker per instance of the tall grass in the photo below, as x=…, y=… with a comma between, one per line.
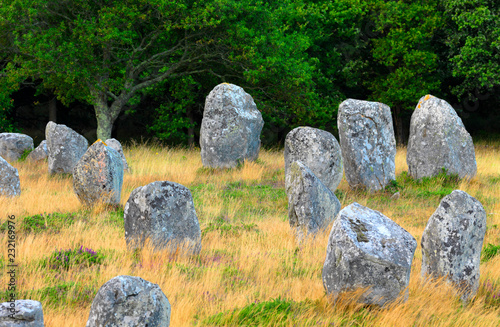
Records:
x=251, y=268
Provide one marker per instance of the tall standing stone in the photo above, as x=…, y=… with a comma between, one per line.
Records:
x=98, y=176
x=319, y=151
x=311, y=205
x=164, y=213
x=452, y=241
x=438, y=139
x=368, y=143
x=13, y=145
x=115, y=144
x=367, y=249
x=127, y=301
x=65, y=148
x=230, y=129
x=21, y=313
x=40, y=153
x=10, y=184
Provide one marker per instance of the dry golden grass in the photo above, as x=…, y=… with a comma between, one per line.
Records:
x=257, y=259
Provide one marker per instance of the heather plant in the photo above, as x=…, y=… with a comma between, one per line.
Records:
x=64, y=259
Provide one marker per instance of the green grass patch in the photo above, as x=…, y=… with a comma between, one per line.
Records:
x=53, y=222
x=225, y=228
x=270, y=313
x=25, y=154
x=490, y=251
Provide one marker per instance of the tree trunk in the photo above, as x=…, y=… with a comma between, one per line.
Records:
x=398, y=124
x=105, y=114
x=53, y=109
x=191, y=127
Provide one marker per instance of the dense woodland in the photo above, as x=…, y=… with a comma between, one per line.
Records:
x=142, y=68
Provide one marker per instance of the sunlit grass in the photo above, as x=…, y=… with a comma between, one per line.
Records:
x=249, y=253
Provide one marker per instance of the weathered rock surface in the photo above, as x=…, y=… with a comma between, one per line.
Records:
x=21, y=313
x=163, y=212
x=230, y=129
x=115, y=144
x=98, y=176
x=65, y=148
x=368, y=143
x=438, y=139
x=10, y=185
x=319, y=151
x=13, y=145
x=452, y=241
x=311, y=205
x=367, y=249
x=40, y=153
x=127, y=301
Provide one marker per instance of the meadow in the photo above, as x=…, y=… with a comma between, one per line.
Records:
x=251, y=270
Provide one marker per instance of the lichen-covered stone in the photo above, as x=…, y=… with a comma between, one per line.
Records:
x=367, y=249
x=127, y=301
x=65, y=147
x=438, y=139
x=230, y=129
x=311, y=205
x=98, y=176
x=21, y=313
x=368, y=143
x=13, y=145
x=10, y=185
x=164, y=213
x=40, y=153
x=319, y=151
x=452, y=241
x=115, y=144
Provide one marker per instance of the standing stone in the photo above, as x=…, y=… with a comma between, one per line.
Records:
x=115, y=144
x=311, y=205
x=98, y=176
x=21, y=313
x=40, y=153
x=367, y=249
x=10, y=185
x=127, y=301
x=452, y=242
x=163, y=212
x=368, y=144
x=438, y=139
x=230, y=129
x=13, y=145
x=65, y=148
x=319, y=151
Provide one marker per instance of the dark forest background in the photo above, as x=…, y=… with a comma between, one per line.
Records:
x=141, y=69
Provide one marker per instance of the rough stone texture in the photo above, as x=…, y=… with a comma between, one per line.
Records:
x=452, y=241
x=367, y=249
x=127, y=301
x=65, y=148
x=368, y=143
x=13, y=145
x=28, y=313
x=319, y=151
x=40, y=153
x=98, y=176
x=230, y=129
x=438, y=140
x=115, y=144
x=311, y=205
x=163, y=212
x=10, y=185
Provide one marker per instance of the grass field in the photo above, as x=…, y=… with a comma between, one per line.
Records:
x=251, y=270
